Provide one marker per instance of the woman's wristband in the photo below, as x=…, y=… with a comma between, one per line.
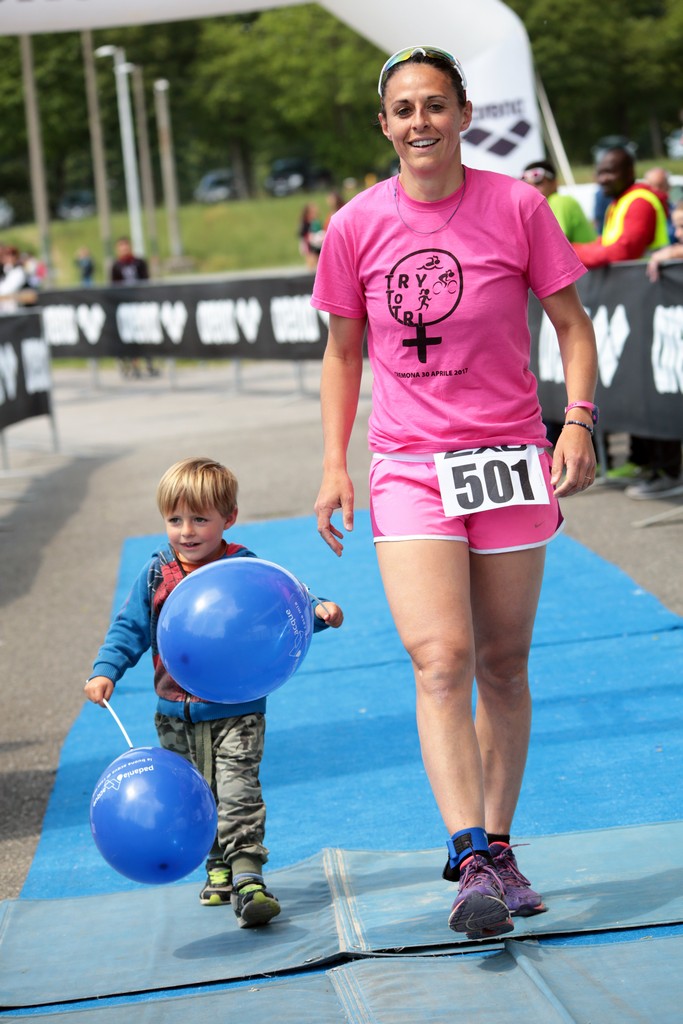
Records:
x=578, y=423
x=590, y=406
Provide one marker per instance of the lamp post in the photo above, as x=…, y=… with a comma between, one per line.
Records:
x=97, y=148
x=35, y=149
x=168, y=175
x=146, y=176
x=130, y=164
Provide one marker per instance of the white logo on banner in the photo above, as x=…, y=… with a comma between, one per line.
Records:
x=139, y=323
x=294, y=319
x=173, y=319
x=143, y=323
x=219, y=321
x=549, y=361
x=9, y=364
x=91, y=320
x=59, y=325
x=36, y=362
x=611, y=334
x=667, y=349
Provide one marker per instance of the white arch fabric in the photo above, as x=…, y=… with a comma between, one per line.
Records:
x=487, y=37
x=492, y=44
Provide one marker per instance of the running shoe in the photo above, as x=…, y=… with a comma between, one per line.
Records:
x=658, y=485
x=253, y=903
x=218, y=887
x=521, y=899
x=480, y=909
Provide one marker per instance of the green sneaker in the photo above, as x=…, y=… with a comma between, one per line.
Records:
x=218, y=888
x=254, y=905
x=629, y=471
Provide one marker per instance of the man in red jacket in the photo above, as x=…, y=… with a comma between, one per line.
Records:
x=636, y=219
x=635, y=225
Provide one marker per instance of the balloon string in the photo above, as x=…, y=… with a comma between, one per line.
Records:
x=118, y=721
x=322, y=603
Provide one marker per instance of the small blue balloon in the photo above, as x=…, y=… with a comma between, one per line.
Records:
x=153, y=816
x=235, y=630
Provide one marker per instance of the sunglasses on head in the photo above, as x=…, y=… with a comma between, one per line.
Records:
x=535, y=175
x=427, y=51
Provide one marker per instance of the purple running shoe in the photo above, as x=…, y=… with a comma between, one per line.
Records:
x=521, y=899
x=480, y=909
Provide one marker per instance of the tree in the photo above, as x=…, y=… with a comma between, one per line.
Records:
x=290, y=82
x=607, y=69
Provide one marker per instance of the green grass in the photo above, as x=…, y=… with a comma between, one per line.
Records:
x=242, y=235
x=251, y=234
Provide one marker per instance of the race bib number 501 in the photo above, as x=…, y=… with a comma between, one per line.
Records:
x=483, y=478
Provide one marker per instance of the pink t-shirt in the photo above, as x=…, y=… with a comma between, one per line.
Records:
x=446, y=305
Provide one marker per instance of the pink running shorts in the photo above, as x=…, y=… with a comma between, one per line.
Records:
x=405, y=504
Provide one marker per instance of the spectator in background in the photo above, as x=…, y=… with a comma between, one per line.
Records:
x=126, y=269
x=635, y=221
x=568, y=211
x=310, y=234
x=657, y=178
x=635, y=225
x=668, y=482
x=669, y=252
x=86, y=266
x=35, y=270
x=13, y=280
x=335, y=201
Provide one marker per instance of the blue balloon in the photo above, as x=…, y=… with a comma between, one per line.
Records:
x=153, y=816
x=235, y=630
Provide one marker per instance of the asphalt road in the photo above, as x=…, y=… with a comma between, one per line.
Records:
x=65, y=513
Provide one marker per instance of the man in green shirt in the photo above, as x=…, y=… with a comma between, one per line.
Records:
x=568, y=211
x=573, y=221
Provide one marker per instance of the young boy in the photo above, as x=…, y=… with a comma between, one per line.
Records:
x=197, y=498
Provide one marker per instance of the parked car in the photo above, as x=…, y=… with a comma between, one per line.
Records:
x=674, y=144
x=612, y=142
x=675, y=188
x=216, y=186
x=76, y=204
x=293, y=174
x=6, y=214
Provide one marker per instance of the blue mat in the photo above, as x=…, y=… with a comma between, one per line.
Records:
x=338, y=905
x=522, y=983
x=342, y=756
x=342, y=773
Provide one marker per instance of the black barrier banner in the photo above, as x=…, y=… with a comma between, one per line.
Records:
x=24, y=369
x=638, y=325
x=639, y=331
x=247, y=318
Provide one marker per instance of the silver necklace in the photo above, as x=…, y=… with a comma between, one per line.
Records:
x=416, y=231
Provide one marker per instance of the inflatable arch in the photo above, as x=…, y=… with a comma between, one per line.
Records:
x=487, y=37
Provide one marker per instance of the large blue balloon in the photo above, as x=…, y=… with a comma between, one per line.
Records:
x=153, y=815
x=235, y=629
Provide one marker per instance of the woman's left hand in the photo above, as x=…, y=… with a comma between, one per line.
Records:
x=573, y=462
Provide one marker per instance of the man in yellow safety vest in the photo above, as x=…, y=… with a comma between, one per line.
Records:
x=635, y=225
x=636, y=219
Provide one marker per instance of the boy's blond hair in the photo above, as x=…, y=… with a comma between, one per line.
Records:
x=199, y=484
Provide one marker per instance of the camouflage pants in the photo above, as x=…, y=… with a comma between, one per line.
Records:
x=234, y=750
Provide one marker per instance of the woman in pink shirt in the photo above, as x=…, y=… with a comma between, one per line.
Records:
x=436, y=263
